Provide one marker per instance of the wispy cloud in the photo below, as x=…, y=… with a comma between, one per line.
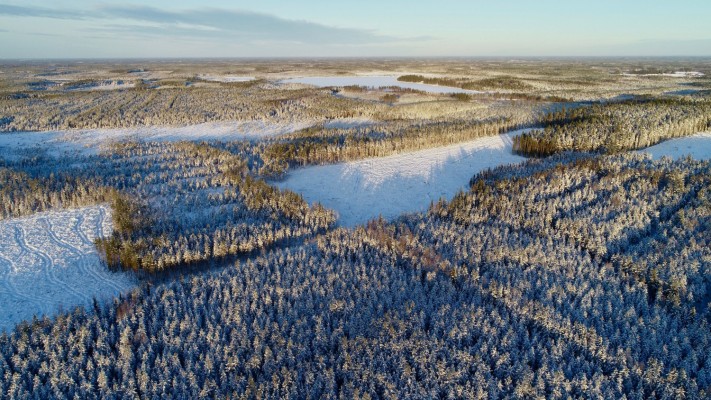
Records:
x=20, y=11
x=208, y=22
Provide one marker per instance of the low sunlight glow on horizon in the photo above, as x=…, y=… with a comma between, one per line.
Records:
x=317, y=28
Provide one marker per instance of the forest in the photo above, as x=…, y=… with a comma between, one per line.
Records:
x=582, y=272
x=563, y=295
x=615, y=127
x=174, y=203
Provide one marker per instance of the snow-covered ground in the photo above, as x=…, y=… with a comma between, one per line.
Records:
x=374, y=82
x=389, y=186
x=675, y=74
x=226, y=78
x=345, y=123
x=48, y=261
x=103, y=85
x=697, y=146
x=89, y=141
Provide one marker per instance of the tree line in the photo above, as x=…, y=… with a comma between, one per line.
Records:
x=614, y=127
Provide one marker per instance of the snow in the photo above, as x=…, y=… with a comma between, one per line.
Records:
x=675, y=74
x=90, y=141
x=685, y=74
x=103, y=85
x=48, y=262
x=345, y=123
x=390, y=186
x=374, y=82
x=697, y=146
x=226, y=78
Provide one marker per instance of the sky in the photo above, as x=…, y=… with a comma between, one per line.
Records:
x=344, y=28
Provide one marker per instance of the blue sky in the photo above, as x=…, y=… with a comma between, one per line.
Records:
x=320, y=28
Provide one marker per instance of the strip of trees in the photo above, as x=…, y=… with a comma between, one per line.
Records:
x=615, y=127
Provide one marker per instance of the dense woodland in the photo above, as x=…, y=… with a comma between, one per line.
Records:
x=579, y=275
x=573, y=276
x=22, y=195
x=613, y=127
x=34, y=111
x=499, y=82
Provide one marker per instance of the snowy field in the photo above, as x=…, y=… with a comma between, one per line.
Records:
x=226, y=78
x=89, y=141
x=697, y=146
x=389, y=186
x=675, y=74
x=374, y=82
x=48, y=261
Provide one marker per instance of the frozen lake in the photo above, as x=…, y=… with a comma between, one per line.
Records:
x=374, y=82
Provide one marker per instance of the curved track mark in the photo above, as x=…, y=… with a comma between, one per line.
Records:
x=84, y=264
x=48, y=268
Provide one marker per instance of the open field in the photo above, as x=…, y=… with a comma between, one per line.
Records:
x=390, y=186
x=48, y=263
x=697, y=146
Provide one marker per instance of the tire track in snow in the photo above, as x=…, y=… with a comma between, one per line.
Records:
x=85, y=263
x=40, y=302
x=47, y=267
x=41, y=254
x=11, y=289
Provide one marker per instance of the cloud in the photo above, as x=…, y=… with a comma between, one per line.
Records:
x=209, y=23
x=19, y=11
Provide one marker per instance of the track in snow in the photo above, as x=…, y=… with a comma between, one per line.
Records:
x=48, y=261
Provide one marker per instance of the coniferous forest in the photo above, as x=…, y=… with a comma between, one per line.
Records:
x=582, y=271
x=593, y=283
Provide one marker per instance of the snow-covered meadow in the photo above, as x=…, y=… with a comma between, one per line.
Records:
x=374, y=82
x=226, y=78
x=697, y=146
x=48, y=261
x=89, y=141
x=389, y=186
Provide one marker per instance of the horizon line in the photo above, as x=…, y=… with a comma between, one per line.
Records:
x=526, y=57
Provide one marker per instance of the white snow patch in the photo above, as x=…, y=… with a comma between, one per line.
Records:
x=390, y=186
x=48, y=261
x=374, y=82
x=226, y=78
x=103, y=85
x=89, y=141
x=345, y=123
x=675, y=74
x=697, y=146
